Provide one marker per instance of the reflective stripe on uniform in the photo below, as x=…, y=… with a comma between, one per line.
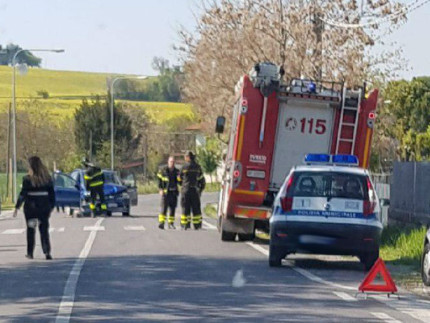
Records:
x=171, y=219
x=92, y=206
x=197, y=219
x=163, y=178
x=103, y=207
x=38, y=193
x=161, y=218
x=184, y=219
x=86, y=177
x=96, y=184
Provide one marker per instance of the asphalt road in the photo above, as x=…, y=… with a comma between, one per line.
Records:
x=124, y=269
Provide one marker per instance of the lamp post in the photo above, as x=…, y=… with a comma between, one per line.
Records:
x=111, y=112
x=14, y=166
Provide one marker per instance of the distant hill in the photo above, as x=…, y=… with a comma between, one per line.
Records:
x=67, y=88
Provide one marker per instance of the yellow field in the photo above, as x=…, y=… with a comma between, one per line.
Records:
x=65, y=83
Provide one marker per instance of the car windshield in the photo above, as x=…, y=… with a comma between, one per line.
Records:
x=112, y=178
x=330, y=184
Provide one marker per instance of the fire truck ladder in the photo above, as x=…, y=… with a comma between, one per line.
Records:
x=351, y=100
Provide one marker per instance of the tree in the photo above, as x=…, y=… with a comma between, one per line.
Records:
x=210, y=156
x=26, y=57
x=234, y=35
x=405, y=117
x=92, y=121
x=164, y=87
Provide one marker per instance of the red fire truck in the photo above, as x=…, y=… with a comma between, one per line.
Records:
x=274, y=124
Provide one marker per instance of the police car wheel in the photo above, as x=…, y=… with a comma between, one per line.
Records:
x=246, y=236
x=108, y=213
x=275, y=257
x=425, y=265
x=369, y=259
x=126, y=213
x=228, y=236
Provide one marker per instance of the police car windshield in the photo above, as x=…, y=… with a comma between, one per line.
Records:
x=111, y=178
x=330, y=185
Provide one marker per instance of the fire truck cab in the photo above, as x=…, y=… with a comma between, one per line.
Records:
x=274, y=125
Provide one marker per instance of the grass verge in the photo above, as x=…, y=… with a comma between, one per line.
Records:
x=213, y=187
x=402, y=245
x=210, y=210
x=147, y=188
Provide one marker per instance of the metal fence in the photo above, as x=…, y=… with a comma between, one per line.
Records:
x=410, y=193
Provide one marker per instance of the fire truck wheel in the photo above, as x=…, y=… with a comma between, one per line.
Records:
x=246, y=236
x=227, y=236
x=275, y=257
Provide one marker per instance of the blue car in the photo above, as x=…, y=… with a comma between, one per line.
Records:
x=70, y=192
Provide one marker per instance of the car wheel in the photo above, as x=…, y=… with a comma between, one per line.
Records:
x=425, y=265
x=369, y=259
x=109, y=213
x=246, y=236
x=275, y=257
x=228, y=236
x=126, y=213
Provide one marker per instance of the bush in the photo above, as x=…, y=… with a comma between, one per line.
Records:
x=43, y=93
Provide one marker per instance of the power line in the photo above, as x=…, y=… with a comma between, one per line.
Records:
x=403, y=11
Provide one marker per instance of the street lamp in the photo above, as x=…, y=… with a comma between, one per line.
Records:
x=111, y=112
x=14, y=110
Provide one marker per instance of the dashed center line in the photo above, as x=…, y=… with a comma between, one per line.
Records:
x=94, y=228
x=134, y=228
x=14, y=231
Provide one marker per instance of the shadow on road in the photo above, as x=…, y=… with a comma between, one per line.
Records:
x=166, y=288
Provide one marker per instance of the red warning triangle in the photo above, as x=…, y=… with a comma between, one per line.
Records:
x=378, y=268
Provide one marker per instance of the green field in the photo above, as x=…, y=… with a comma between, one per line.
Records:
x=3, y=187
x=67, y=88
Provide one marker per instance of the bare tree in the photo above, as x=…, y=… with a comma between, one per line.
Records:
x=232, y=36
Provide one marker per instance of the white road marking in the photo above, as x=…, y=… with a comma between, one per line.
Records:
x=14, y=231
x=209, y=226
x=94, y=228
x=385, y=317
x=416, y=308
x=56, y=230
x=68, y=299
x=6, y=214
x=345, y=296
x=134, y=228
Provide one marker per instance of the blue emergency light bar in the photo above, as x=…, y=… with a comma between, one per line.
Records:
x=326, y=159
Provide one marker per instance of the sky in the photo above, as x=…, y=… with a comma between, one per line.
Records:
x=122, y=36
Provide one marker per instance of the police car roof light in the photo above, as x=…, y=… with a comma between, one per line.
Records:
x=317, y=158
x=347, y=160
x=325, y=159
x=312, y=87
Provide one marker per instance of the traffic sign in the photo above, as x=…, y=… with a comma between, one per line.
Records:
x=378, y=268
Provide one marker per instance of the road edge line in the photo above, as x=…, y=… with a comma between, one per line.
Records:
x=68, y=299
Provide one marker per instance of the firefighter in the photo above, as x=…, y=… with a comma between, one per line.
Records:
x=94, y=181
x=193, y=183
x=168, y=185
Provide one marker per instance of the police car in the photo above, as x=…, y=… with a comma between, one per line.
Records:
x=326, y=206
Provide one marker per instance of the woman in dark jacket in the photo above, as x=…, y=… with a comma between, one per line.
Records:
x=38, y=197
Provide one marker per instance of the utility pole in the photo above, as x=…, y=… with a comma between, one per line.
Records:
x=8, y=170
x=91, y=145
